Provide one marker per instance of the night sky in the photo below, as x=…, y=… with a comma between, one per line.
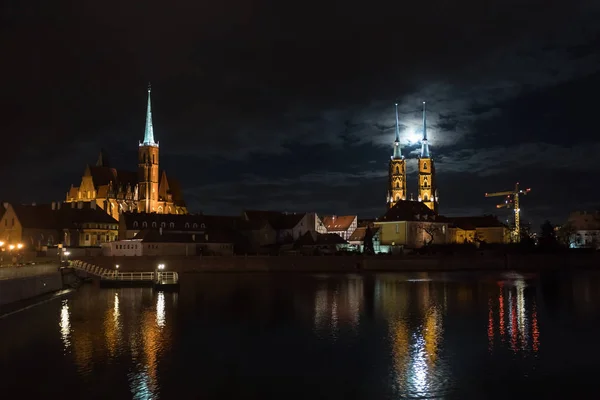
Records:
x=290, y=105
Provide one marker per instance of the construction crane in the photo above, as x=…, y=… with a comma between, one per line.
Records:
x=512, y=201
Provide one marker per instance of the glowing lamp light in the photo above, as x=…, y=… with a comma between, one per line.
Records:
x=67, y=253
x=1, y=243
x=20, y=246
x=161, y=266
x=117, y=266
x=11, y=247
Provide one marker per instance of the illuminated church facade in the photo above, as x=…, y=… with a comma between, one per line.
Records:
x=148, y=190
x=427, y=189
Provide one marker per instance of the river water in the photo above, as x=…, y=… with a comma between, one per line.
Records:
x=287, y=336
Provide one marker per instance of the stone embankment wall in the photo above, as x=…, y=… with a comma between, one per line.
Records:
x=21, y=283
x=347, y=263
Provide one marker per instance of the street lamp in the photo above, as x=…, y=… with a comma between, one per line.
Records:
x=11, y=246
x=158, y=274
x=19, y=246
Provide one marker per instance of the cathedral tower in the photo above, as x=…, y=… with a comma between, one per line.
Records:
x=148, y=167
x=397, y=171
x=427, y=187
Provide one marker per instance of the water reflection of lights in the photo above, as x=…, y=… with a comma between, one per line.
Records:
x=415, y=354
x=65, y=324
x=521, y=317
x=116, y=312
x=339, y=308
x=160, y=310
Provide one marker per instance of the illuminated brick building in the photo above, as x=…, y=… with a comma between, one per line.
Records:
x=116, y=191
x=428, y=193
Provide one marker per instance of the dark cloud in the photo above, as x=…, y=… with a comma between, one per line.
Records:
x=279, y=105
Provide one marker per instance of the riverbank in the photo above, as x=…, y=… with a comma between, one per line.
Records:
x=16, y=307
x=477, y=261
x=28, y=282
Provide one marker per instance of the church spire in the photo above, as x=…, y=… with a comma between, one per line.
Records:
x=149, y=133
x=424, y=144
x=397, y=150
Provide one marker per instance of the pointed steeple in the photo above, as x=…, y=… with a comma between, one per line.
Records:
x=424, y=144
x=149, y=133
x=397, y=150
x=102, y=159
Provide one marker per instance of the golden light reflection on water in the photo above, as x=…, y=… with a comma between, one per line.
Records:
x=160, y=309
x=132, y=329
x=65, y=324
x=415, y=350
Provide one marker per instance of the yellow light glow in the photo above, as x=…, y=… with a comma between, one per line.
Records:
x=11, y=247
x=1, y=243
x=20, y=246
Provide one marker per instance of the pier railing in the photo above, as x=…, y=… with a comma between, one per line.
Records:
x=105, y=274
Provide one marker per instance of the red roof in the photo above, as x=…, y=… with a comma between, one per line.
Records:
x=336, y=223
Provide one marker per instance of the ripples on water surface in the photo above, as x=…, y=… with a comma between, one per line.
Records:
x=311, y=337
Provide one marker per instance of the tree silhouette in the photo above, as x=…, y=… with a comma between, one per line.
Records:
x=368, y=241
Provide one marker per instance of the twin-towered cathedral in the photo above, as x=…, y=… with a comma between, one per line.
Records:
x=427, y=192
x=116, y=191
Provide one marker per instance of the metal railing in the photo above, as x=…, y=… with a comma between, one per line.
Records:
x=103, y=273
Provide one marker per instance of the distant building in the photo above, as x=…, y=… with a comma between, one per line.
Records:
x=586, y=229
x=146, y=191
x=288, y=226
x=158, y=242
x=357, y=239
x=411, y=224
x=47, y=225
x=480, y=229
x=428, y=192
x=396, y=171
x=396, y=191
x=131, y=223
x=312, y=242
x=343, y=225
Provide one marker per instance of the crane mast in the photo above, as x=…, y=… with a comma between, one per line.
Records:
x=512, y=201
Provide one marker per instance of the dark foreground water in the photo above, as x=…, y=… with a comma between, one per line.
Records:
x=283, y=336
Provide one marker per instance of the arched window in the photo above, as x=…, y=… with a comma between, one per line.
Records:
x=135, y=224
x=160, y=209
x=144, y=224
x=397, y=198
x=195, y=225
x=154, y=224
x=397, y=169
x=397, y=185
x=171, y=225
x=424, y=165
x=163, y=224
x=425, y=198
x=202, y=226
x=187, y=224
x=153, y=159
